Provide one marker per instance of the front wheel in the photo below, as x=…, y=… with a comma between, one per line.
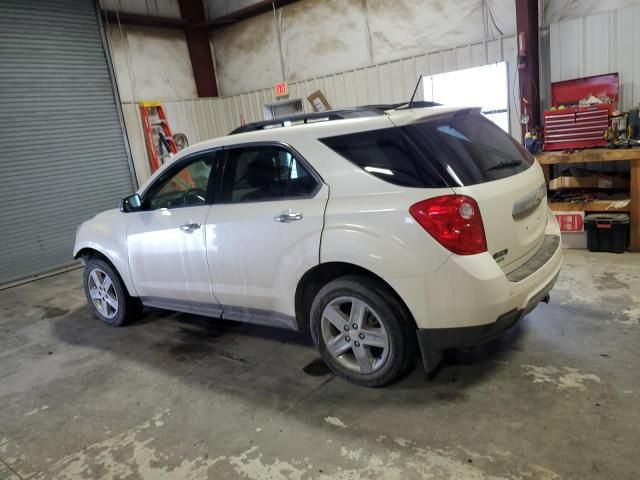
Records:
x=362, y=331
x=107, y=295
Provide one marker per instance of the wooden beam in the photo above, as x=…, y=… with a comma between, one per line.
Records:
x=192, y=12
x=607, y=206
x=589, y=155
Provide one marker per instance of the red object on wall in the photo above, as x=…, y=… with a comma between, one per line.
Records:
x=154, y=122
x=570, y=221
x=580, y=127
x=570, y=92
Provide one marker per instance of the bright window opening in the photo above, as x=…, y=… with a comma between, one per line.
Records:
x=485, y=87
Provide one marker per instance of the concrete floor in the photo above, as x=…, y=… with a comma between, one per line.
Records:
x=175, y=396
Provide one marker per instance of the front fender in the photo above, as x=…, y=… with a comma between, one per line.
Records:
x=107, y=234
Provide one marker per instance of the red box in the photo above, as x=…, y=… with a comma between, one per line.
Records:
x=580, y=127
x=570, y=221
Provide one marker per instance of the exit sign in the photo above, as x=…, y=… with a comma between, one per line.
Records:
x=282, y=89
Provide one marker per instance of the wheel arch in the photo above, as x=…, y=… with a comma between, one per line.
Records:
x=318, y=276
x=90, y=252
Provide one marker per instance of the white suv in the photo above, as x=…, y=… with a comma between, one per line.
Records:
x=378, y=230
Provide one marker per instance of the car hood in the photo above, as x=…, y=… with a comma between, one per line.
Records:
x=107, y=214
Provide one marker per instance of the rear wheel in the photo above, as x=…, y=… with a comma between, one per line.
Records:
x=107, y=295
x=362, y=332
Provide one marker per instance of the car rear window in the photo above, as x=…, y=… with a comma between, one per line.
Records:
x=456, y=150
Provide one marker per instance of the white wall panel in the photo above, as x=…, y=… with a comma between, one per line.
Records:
x=150, y=63
x=322, y=37
x=554, y=11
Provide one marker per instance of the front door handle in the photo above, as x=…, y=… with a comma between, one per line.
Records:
x=189, y=227
x=288, y=217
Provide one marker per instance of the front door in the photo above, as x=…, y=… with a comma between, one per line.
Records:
x=167, y=240
x=265, y=232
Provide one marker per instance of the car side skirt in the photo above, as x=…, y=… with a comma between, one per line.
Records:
x=225, y=312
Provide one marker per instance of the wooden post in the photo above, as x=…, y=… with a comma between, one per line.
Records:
x=635, y=205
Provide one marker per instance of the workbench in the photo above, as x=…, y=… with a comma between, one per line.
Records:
x=602, y=155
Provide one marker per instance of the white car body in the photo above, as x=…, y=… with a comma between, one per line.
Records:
x=243, y=265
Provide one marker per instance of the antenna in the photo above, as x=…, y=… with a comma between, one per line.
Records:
x=415, y=90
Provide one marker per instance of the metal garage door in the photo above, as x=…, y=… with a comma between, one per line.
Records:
x=62, y=155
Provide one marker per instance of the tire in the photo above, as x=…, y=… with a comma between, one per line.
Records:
x=107, y=295
x=383, y=346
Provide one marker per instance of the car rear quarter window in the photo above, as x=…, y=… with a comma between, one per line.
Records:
x=453, y=150
x=387, y=154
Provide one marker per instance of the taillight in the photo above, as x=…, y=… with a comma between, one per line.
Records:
x=454, y=221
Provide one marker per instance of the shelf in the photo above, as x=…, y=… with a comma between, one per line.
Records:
x=594, y=206
x=602, y=155
x=594, y=181
x=589, y=155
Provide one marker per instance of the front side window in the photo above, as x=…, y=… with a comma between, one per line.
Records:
x=263, y=173
x=185, y=188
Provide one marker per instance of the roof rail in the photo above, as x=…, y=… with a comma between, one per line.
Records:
x=353, y=112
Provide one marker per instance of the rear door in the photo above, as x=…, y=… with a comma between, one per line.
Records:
x=265, y=232
x=478, y=159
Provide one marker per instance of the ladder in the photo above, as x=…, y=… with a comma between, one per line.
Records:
x=161, y=144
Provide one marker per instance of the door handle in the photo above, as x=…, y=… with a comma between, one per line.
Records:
x=288, y=217
x=189, y=227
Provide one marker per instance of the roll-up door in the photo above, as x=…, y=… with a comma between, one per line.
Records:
x=63, y=156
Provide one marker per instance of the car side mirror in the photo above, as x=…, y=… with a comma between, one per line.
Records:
x=132, y=203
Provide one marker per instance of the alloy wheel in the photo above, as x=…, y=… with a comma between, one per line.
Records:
x=354, y=335
x=103, y=293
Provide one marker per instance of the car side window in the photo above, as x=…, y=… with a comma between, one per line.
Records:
x=263, y=173
x=186, y=188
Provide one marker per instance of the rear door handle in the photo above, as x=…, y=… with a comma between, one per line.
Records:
x=288, y=217
x=189, y=227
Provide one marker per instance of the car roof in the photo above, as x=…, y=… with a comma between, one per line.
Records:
x=341, y=114
x=332, y=126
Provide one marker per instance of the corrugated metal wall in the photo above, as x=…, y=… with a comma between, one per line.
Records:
x=598, y=44
x=204, y=119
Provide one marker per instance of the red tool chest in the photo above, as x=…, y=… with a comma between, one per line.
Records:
x=577, y=127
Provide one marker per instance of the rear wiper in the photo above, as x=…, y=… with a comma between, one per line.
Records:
x=501, y=165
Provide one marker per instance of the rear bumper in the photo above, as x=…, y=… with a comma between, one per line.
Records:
x=472, y=290
x=480, y=302
x=433, y=341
